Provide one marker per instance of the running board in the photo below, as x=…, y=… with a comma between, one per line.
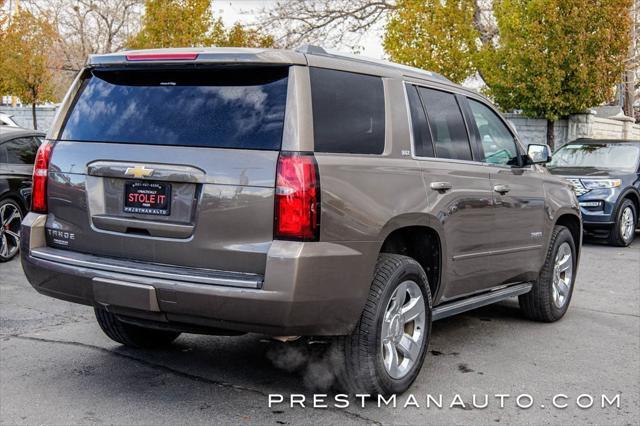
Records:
x=459, y=306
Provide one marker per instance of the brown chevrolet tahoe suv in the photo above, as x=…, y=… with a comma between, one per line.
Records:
x=293, y=193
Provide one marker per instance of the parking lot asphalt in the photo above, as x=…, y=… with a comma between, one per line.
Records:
x=56, y=366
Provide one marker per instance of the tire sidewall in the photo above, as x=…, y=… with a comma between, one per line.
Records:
x=563, y=237
x=132, y=335
x=414, y=273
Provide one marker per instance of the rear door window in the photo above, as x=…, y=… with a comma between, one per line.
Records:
x=348, y=112
x=20, y=150
x=422, y=143
x=206, y=107
x=450, y=138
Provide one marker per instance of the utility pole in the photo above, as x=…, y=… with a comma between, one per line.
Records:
x=632, y=62
x=13, y=9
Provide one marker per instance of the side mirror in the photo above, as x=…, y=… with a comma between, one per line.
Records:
x=539, y=154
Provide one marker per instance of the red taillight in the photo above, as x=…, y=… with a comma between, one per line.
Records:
x=40, y=175
x=297, y=200
x=162, y=57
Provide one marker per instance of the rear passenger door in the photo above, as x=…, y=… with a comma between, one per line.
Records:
x=518, y=196
x=458, y=189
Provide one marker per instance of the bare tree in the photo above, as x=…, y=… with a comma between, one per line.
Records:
x=342, y=23
x=328, y=22
x=90, y=26
x=86, y=27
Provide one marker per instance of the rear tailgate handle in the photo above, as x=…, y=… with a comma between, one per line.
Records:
x=134, y=170
x=502, y=189
x=440, y=186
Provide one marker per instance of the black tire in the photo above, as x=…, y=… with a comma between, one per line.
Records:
x=9, y=228
x=361, y=368
x=616, y=237
x=133, y=335
x=538, y=304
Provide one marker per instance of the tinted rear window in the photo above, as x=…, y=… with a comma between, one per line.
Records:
x=239, y=108
x=447, y=125
x=348, y=112
x=19, y=150
x=423, y=145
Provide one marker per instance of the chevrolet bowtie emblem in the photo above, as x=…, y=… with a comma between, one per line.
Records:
x=138, y=172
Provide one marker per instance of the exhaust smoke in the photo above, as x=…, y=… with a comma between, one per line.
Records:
x=317, y=361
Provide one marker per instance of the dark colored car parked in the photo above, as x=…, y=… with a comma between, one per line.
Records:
x=293, y=193
x=605, y=175
x=18, y=149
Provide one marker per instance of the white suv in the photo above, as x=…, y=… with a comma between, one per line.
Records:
x=6, y=120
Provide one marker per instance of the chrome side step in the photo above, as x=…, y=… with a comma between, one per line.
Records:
x=473, y=302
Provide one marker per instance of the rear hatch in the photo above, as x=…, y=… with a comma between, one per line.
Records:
x=172, y=165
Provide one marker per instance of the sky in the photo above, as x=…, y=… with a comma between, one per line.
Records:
x=246, y=11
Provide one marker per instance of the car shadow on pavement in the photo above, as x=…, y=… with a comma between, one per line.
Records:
x=596, y=241
x=257, y=363
x=249, y=366
x=238, y=361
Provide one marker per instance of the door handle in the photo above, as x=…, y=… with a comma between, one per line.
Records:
x=502, y=189
x=440, y=186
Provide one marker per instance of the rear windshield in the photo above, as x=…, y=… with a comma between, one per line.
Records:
x=222, y=108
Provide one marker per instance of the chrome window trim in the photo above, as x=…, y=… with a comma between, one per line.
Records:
x=412, y=139
x=451, y=160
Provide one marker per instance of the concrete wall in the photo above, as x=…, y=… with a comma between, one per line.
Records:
x=534, y=130
x=22, y=115
x=604, y=128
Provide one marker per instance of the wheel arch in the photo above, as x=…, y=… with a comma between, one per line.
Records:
x=572, y=222
x=422, y=243
x=634, y=196
x=15, y=197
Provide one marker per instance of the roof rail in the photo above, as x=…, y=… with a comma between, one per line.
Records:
x=309, y=49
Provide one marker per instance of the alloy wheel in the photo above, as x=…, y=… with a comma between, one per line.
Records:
x=562, y=275
x=627, y=225
x=10, y=219
x=403, y=329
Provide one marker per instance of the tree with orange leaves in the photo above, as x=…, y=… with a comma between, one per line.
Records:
x=25, y=64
